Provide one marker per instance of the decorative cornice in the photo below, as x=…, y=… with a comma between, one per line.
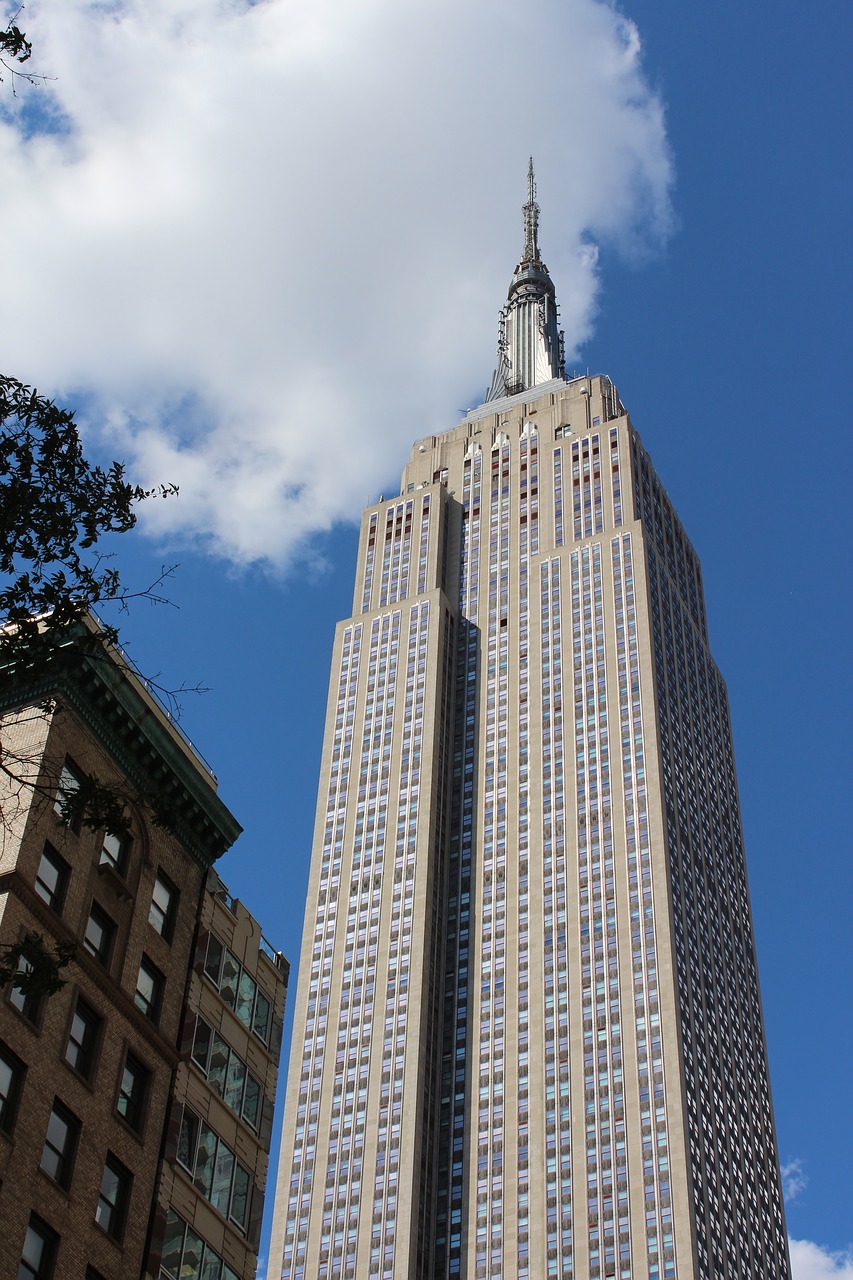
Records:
x=112, y=702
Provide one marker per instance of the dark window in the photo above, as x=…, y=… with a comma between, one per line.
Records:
x=82, y=1047
x=214, y=1169
x=227, y=1073
x=115, y=851
x=100, y=934
x=238, y=989
x=186, y=1254
x=39, y=1252
x=25, y=1001
x=92, y=1274
x=113, y=1198
x=11, y=1079
x=149, y=989
x=133, y=1091
x=164, y=905
x=69, y=785
x=60, y=1144
x=52, y=878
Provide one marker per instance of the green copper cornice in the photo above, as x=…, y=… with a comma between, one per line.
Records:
x=113, y=703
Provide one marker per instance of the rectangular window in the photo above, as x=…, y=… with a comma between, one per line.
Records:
x=164, y=906
x=39, y=1253
x=115, y=851
x=100, y=935
x=52, y=878
x=214, y=1169
x=26, y=1002
x=185, y=1254
x=133, y=1091
x=11, y=1080
x=227, y=1074
x=238, y=989
x=60, y=1144
x=113, y=1197
x=149, y=989
x=69, y=785
x=81, y=1050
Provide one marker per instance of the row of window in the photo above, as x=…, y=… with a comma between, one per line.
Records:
x=81, y=1052
x=54, y=874
x=41, y=1242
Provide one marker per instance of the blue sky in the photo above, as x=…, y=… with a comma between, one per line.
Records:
x=266, y=290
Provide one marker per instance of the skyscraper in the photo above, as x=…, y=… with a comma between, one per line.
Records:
x=528, y=1038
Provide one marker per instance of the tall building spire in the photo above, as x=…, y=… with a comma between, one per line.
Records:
x=531, y=219
x=530, y=344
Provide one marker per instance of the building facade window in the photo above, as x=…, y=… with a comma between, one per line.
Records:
x=52, y=878
x=69, y=785
x=238, y=989
x=164, y=906
x=185, y=1254
x=27, y=1004
x=60, y=1144
x=100, y=935
x=133, y=1091
x=83, y=1039
x=113, y=1197
x=38, y=1256
x=149, y=989
x=214, y=1169
x=12, y=1072
x=227, y=1074
x=115, y=852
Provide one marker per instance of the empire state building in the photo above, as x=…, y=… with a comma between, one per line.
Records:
x=528, y=1035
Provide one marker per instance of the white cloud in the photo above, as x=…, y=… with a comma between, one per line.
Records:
x=794, y=1180
x=811, y=1262
x=270, y=242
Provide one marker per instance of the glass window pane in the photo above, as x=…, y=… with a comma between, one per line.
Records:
x=263, y=1011
x=228, y=980
x=58, y=1146
x=173, y=1244
x=187, y=1140
x=218, y=1064
x=114, y=852
x=204, y=1159
x=235, y=1084
x=213, y=962
x=7, y=1076
x=131, y=1098
x=192, y=1256
x=51, y=878
x=161, y=913
x=224, y=1168
x=111, y=1200
x=212, y=1266
x=245, y=999
x=252, y=1102
x=201, y=1044
x=149, y=989
x=240, y=1198
x=98, y=938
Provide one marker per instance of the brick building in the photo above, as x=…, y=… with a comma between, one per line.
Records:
x=136, y=1103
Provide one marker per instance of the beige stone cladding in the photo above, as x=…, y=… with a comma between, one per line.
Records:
x=528, y=1037
x=226, y=1080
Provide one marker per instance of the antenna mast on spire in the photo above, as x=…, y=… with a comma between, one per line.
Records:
x=531, y=219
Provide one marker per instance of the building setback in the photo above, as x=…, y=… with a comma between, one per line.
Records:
x=528, y=1034
x=136, y=1103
